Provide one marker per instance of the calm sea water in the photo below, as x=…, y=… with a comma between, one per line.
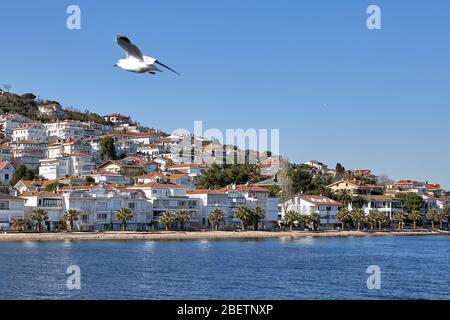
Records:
x=312, y=268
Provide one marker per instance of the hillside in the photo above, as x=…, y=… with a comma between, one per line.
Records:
x=28, y=105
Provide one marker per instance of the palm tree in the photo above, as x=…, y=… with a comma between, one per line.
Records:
x=315, y=218
x=432, y=215
x=39, y=215
x=124, y=215
x=216, y=217
x=381, y=218
x=344, y=196
x=399, y=216
x=243, y=213
x=19, y=224
x=343, y=216
x=182, y=217
x=442, y=217
x=290, y=218
x=257, y=215
x=167, y=218
x=414, y=216
x=358, y=216
x=372, y=218
x=304, y=220
x=71, y=215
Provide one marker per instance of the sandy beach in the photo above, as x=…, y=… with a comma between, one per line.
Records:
x=210, y=235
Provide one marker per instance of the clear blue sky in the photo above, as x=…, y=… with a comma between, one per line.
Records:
x=337, y=91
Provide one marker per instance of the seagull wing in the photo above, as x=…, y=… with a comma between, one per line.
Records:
x=163, y=65
x=131, y=50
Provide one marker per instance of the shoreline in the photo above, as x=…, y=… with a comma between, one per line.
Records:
x=203, y=235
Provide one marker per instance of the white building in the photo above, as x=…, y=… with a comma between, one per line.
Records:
x=308, y=204
x=109, y=178
x=10, y=121
x=63, y=147
x=11, y=208
x=230, y=199
x=65, y=129
x=30, y=131
x=74, y=165
x=381, y=203
x=6, y=171
x=28, y=153
x=97, y=206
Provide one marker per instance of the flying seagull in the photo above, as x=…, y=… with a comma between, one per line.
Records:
x=135, y=61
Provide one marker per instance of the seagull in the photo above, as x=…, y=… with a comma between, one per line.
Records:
x=135, y=61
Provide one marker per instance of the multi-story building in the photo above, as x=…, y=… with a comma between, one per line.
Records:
x=309, y=204
x=355, y=187
x=65, y=129
x=10, y=121
x=52, y=109
x=28, y=153
x=67, y=146
x=30, y=131
x=5, y=152
x=109, y=178
x=117, y=118
x=74, y=165
x=11, y=208
x=97, y=206
x=381, y=203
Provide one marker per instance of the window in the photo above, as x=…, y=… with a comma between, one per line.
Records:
x=102, y=216
x=102, y=205
x=85, y=218
x=132, y=205
x=50, y=203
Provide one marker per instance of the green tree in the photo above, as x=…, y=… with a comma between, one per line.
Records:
x=411, y=201
x=343, y=216
x=399, y=216
x=381, y=218
x=89, y=181
x=124, y=215
x=358, y=216
x=20, y=173
x=257, y=215
x=358, y=202
x=432, y=215
x=290, y=218
x=167, y=218
x=414, y=216
x=372, y=218
x=108, y=149
x=39, y=216
x=70, y=216
x=344, y=196
x=442, y=217
x=19, y=224
x=218, y=176
x=182, y=217
x=243, y=213
x=216, y=218
x=53, y=186
x=304, y=220
x=315, y=218
x=5, y=188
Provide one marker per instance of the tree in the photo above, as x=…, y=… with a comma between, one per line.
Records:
x=257, y=215
x=108, y=149
x=411, y=201
x=358, y=216
x=124, y=215
x=315, y=218
x=399, y=216
x=344, y=196
x=39, y=216
x=89, y=181
x=53, y=186
x=358, y=202
x=5, y=188
x=414, y=216
x=372, y=218
x=18, y=224
x=71, y=215
x=340, y=171
x=216, y=217
x=167, y=218
x=290, y=218
x=182, y=217
x=442, y=216
x=304, y=220
x=20, y=173
x=381, y=218
x=432, y=215
x=343, y=216
x=218, y=176
x=243, y=213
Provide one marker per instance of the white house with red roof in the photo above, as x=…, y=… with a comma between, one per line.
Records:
x=308, y=204
x=6, y=171
x=109, y=177
x=31, y=131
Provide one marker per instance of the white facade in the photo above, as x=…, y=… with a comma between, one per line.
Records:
x=28, y=153
x=65, y=129
x=10, y=208
x=10, y=121
x=66, y=166
x=32, y=131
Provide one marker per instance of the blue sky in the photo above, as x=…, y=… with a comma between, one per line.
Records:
x=336, y=90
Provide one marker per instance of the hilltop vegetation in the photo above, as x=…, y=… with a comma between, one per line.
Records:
x=28, y=104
